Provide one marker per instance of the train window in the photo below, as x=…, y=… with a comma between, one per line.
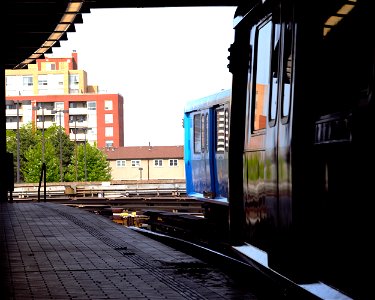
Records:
x=220, y=130
x=203, y=133
x=226, y=130
x=275, y=72
x=206, y=129
x=262, y=63
x=197, y=133
x=287, y=72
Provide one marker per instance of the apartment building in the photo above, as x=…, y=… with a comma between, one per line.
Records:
x=146, y=162
x=55, y=91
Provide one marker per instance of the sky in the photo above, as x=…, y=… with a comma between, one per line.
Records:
x=157, y=59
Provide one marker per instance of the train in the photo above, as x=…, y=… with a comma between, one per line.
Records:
x=284, y=157
x=206, y=143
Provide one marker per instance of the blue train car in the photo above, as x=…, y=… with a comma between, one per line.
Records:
x=206, y=125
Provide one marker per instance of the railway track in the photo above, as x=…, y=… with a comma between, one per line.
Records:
x=110, y=189
x=113, y=197
x=210, y=241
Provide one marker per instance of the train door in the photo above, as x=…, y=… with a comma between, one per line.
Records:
x=200, y=156
x=221, y=143
x=267, y=188
x=278, y=137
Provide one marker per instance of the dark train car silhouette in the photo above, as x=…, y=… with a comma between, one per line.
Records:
x=299, y=157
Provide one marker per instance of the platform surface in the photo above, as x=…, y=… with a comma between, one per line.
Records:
x=53, y=251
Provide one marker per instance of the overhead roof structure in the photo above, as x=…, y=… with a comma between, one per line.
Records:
x=35, y=26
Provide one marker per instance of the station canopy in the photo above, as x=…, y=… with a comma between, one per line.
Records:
x=33, y=27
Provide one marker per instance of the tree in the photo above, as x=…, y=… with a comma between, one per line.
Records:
x=31, y=152
x=53, y=135
x=33, y=165
x=97, y=166
x=31, y=149
x=28, y=138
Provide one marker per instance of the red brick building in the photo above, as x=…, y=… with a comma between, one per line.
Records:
x=55, y=88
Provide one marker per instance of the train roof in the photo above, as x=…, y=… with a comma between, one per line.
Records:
x=209, y=101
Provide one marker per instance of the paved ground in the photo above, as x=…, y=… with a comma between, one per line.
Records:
x=52, y=251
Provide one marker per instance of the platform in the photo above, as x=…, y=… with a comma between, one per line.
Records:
x=53, y=251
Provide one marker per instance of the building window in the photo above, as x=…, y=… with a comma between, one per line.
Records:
x=50, y=66
x=173, y=162
x=42, y=80
x=120, y=163
x=74, y=79
x=109, y=144
x=108, y=118
x=59, y=106
x=158, y=162
x=78, y=104
x=27, y=80
x=11, y=80
x=136, y=163
x=91, y=105
x=108, y=105
x=109, y=131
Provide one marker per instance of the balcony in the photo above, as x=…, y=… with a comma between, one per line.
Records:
x=78, y=111
x=47, y=124
x=13, y=112
x=46, y=112
x=80, y=137
x=78, y=124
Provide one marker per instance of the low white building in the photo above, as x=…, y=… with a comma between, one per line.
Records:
x=146, y=162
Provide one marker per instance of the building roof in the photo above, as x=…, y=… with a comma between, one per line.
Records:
x=145, y=152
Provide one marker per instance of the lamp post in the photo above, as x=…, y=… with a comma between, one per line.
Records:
x=85, y=156
x=36, y=108
x=44, y=167
x=75, y=146
x=59, y=111
x=18, y=141
x=17, y=103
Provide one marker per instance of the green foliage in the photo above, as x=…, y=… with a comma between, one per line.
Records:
x=31, y=149
x=33, y=164
x=28, y=138
x=91, y=165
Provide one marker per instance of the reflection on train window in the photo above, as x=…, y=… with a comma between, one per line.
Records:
x=204, y=136
x=262, y=64
x=275, y=72
x=220, y=130
x=226, y=129
x=197, y=133
x=287, y=72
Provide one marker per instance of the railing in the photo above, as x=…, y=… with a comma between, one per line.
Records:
x=117, y=189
